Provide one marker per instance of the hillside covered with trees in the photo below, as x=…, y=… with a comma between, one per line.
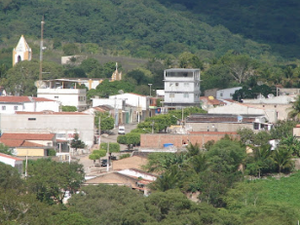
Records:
x=272, y=22
x=136, y=28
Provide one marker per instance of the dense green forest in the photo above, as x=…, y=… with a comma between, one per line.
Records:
x=137, y=28
x=272, y=22
x=162, y=34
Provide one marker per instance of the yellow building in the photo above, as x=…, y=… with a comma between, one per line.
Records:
x=21, y=52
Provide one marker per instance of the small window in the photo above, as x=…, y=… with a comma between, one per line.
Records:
x=171, y=84
x=185, y=95
x=172, y=95
x=186, y=84
x=31, y=118
x=256, y=126
x=176, y=84
x=221, y=94
x=4, y=107
x=15, y=107
x=56, y=97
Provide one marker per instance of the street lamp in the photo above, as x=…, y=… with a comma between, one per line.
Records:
x=150, y=88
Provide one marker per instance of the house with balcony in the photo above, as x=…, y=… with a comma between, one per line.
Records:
x=182, y=87
x=66, y=91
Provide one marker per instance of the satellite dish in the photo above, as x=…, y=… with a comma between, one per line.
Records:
x=270, y=95
x=40, y=84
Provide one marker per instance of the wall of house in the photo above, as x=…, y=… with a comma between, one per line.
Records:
x=11, y=108
x=29, y=152
x=158, y=140
x=227, y=93
x=220, y=127
x=274, y=112
x=64, y=123
x=237, y=109
x=70, y=97
x=41, y=106
x=8, y=161
x=133, y=99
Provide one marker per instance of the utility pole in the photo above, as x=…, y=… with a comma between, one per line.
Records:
x=108, y=162
x=99, y=131
x=41, y=49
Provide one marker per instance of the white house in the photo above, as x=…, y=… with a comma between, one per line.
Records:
x=63, y=124
x=11, y=104
x=227, y=93
x=12, y=161
x=182, y=87
x=139, y=104
x=65, y=91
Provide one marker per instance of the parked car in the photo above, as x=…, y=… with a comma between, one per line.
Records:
x=121, y=130
x=103, y=162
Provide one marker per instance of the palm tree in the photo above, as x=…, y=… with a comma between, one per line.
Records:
x=282, y=157
x=261, y=157
x=295, y=110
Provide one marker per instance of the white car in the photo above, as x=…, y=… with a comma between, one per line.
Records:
x=121, y=130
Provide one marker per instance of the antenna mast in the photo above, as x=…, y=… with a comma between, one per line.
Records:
x=41, y=49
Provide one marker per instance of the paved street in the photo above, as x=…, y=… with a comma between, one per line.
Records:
x=88, y=164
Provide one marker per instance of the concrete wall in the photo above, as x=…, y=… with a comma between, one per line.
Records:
x=158, y=140
x=65, y=123
x=220, y=127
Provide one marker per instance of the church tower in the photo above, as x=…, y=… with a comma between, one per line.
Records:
x=116, y=75
x=21, y=52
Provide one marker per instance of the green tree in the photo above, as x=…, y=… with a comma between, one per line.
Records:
x=260, y=160
x=21, y=78
x=282, y=158
x=283, y=129
x=5, y=149
x=50, y=180
x=295, y=110
x=76, y=142
x=104, y=120
x=9, y=178
x=68, y=108
x=70, y=49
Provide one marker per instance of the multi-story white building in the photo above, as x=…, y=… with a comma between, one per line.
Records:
x=182, y=87
x=12, y=104
x=65, y=91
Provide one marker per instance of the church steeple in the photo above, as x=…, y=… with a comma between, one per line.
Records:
x=21, y=52
x=116, y=75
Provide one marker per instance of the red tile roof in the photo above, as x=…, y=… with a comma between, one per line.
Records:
x=26, y=136
x=21, y=99
x=31, y=144
x=11, y=143
x=10, y=157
